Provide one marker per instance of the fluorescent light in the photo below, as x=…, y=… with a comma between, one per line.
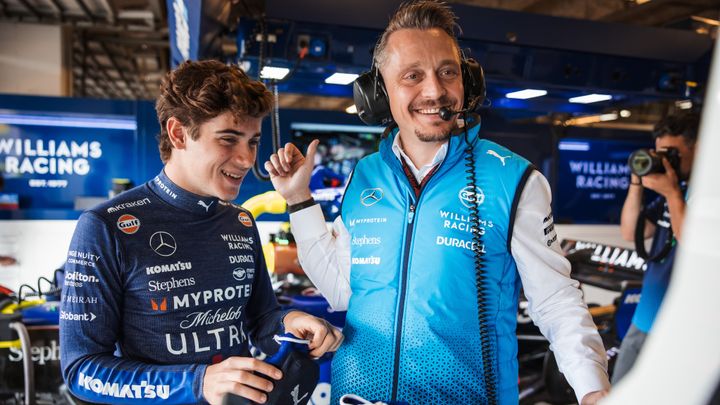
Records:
x=341, y=78
x=527, y=93
x=68, y=121
x=590, y=98
x=315, y=127
x=577, y=146
x=707, y=21
x=274, y=73
x=352, y=109
x=624, y=113
x=608, y=117
x=684, y=104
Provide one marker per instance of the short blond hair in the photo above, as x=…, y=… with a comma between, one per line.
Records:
x=421, y=15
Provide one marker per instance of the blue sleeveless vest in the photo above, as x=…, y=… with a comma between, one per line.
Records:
x=412, y=331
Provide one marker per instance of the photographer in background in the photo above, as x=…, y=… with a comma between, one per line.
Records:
x=664, y=219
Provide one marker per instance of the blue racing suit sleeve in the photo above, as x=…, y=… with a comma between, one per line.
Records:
x=90, y=328
x=263, y=312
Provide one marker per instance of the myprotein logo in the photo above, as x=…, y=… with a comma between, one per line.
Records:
x=469, y=196
x=244, y=219
x=163, y=243
x=366, y=240
x=116, y=390
x=361, y=221
x=158, y=305
x=206, y=297
x=85, y=317
x=371, y=196
x=128, y=224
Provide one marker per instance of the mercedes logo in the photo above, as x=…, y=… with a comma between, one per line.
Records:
x=163, y=243
x=370, y=196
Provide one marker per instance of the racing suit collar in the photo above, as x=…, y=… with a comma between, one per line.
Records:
x=178, y=197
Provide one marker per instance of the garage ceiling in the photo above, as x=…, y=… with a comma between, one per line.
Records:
x=120, y=48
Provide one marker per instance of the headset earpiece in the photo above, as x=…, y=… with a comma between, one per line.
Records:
x=371, y=99
x=473, y=83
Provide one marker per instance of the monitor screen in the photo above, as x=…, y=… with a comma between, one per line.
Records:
x=592, y=179
x=340, y=148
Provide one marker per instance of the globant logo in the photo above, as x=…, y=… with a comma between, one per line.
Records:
x=115, y=390
x=69, y=316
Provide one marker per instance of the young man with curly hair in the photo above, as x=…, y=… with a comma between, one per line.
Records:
x=166, y=285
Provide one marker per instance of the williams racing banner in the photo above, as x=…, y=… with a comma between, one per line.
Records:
x=49, y=161
x=593, y=178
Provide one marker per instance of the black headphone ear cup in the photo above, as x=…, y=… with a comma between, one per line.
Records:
x=473, y=82
x=371, y=99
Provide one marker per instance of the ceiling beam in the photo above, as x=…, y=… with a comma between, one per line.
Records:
x=31, y=9
x=86, y=10
x=60, y=9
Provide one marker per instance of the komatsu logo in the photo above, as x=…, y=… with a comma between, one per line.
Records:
x=167, y=268
x=116, y=390
x=373, y=260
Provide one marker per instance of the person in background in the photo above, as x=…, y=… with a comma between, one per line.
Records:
x=664, y=218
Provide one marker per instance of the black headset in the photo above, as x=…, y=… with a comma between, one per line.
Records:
x=373, y=105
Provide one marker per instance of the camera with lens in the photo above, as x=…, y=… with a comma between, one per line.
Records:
x=643, y=162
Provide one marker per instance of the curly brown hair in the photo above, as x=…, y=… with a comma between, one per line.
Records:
x=196, y=92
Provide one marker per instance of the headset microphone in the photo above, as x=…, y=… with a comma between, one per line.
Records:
x=446, y=114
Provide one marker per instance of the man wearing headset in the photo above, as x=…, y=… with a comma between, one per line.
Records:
x=405, y=256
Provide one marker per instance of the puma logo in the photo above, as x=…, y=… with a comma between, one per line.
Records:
x=502, y=158
x=206, y=206
x=295, y=392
